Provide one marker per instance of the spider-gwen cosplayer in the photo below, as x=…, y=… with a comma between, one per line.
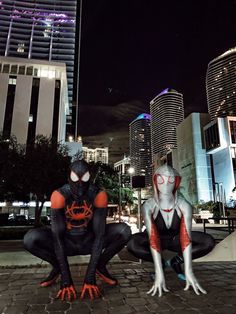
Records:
x=78, y=227
x=168, y=221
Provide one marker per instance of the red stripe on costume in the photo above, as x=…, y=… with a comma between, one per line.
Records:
x=184, y=237
x=155, y=242
x=101, y=200
x=57, y=200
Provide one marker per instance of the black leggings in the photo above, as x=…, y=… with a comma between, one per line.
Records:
x=139, y=246
x=39, y=242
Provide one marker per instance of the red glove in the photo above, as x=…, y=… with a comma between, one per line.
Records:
x=91, y=289
x=67, y=293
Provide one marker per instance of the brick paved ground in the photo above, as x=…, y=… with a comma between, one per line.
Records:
x=20, y=293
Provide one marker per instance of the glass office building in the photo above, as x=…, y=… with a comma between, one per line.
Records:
x=43, y=30
x=221, y=85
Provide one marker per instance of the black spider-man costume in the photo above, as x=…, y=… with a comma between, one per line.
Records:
x=78, y=227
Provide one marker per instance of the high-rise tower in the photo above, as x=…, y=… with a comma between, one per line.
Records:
x=44, y=30
x=167, y=112
x=221, y=85
x=140, y=147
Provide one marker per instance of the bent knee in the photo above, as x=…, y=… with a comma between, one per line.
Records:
x=125, y=231
x=131, y=245
x=31, y=238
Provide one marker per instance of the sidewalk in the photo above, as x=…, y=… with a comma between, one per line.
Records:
x=20, y=292
x=20, y=274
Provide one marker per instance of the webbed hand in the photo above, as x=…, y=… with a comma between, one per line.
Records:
x=160, y=284
x=67, y=293
x=192, y=281
x=92, y=290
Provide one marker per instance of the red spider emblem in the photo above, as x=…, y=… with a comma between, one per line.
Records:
x=79, y=215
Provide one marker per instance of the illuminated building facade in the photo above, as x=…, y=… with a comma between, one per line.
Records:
x=122, y=166
x=140, y=147
x=221, y=85
x=43, y=30
x=167, y=112
x=191, y=160
x=33, y=99
x=95, y=154
x=220, y=142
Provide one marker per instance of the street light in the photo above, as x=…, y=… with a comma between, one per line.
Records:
x=131, y=171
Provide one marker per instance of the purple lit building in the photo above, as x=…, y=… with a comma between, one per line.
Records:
x=43, y=30
x=140, y=147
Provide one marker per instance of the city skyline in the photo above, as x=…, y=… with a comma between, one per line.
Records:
x=131, y=51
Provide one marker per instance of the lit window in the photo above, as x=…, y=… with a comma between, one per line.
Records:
x=12, y=81
x=31, y=119
x=21, y=48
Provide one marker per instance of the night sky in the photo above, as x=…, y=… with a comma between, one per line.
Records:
x=131, y=50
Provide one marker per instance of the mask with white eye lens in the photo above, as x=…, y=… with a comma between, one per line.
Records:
x=85, y=177
x=74, y=177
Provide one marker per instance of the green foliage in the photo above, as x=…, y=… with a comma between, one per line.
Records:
x=105, y=177
x=12, y=170
x=205, y=205
x=212, y=207
x=35, y=170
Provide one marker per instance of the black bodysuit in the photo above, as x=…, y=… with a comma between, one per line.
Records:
x=78, y=227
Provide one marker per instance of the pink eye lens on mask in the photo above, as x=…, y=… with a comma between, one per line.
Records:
x=171, y=179
x=85, y=177
x=160, y=179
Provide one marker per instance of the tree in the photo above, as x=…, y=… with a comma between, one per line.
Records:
x=46, y=164
x=107, y=178
x=11, y=170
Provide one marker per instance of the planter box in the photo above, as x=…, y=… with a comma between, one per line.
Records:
x=205, y=214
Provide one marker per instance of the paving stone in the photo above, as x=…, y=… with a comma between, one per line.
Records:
x=39, y=300
x=36, y=309
x=79, y=307
x=128, y=290
x=57, y=306
x=16, y=309
x=140, y=308
x=135, y=301
x=186, y=311
x=123, y=309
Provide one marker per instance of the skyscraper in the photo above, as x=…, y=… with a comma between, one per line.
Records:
x=140, y=147
x=167, y=112
x=44, y=30
x=221, y=85
x=33, y=99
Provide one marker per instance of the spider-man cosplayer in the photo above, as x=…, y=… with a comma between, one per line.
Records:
x=168, y=220
x=78, y=227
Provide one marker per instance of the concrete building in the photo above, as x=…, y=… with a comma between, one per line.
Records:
x=221, y=85
x=220, y=138
x=33, y=98
x=167, y=112
x=140, y=147
x=42, y=30
x=122, y=166
x=95, y=154
x=191, y=160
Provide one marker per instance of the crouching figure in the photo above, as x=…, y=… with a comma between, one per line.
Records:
x=168, y=220
x=78, y=227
